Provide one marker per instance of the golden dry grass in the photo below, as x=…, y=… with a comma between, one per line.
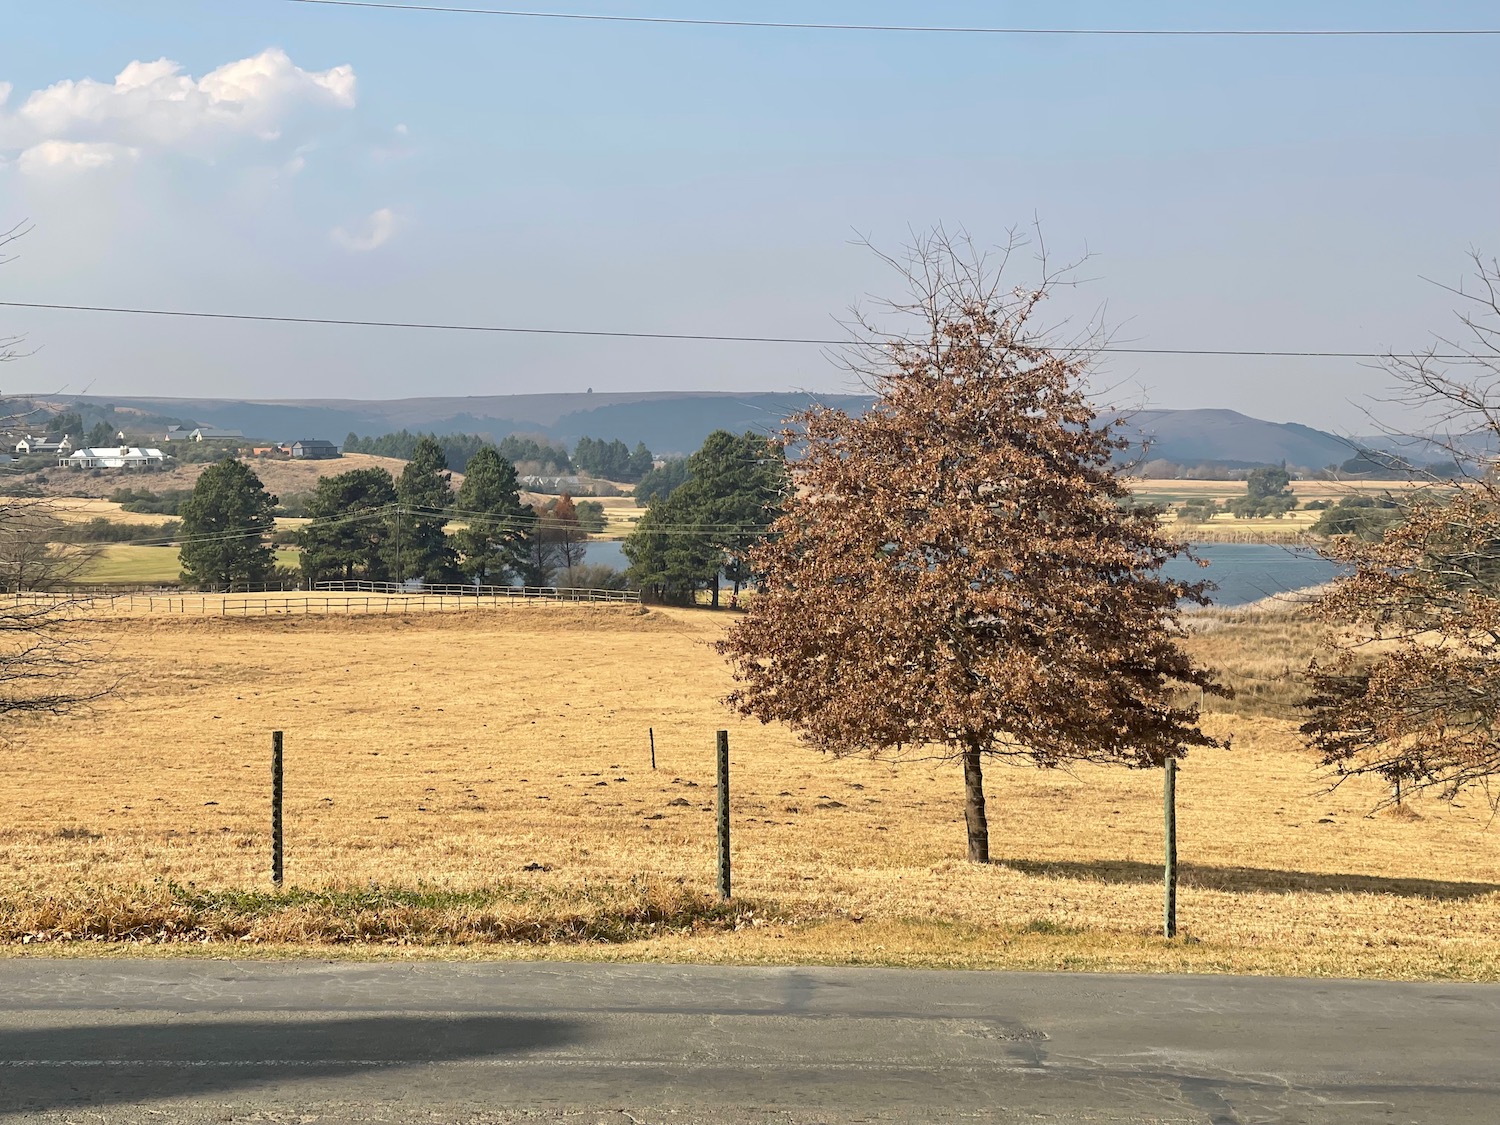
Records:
x=503, y=754
x=78, y=509
x=281, y=477
x=1170, y=494
x=621, y=514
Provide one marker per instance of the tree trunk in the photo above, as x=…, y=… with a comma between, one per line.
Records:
x=715, y=602
x=974, y=818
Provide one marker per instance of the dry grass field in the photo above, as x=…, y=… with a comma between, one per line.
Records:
x=621, y=515
x=480, y=784
x=281, y=477
x=1170, y=494
x=79, y=509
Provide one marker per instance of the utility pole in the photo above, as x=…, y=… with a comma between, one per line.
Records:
x=398, y=547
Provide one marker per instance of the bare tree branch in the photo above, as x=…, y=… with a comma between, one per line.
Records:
x=1412, y=693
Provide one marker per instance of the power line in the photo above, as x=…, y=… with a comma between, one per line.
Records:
x=231, y=536
x=433, y=326
x=787, y=25
x=516, y=521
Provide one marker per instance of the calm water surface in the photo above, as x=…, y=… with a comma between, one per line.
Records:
x=1244, y=572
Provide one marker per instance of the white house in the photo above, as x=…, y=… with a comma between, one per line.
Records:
x=113, y=457
x=551, y=484
x=29, y=444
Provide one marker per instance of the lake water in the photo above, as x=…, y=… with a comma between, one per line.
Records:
x=1247, y=572
x=1244, y=572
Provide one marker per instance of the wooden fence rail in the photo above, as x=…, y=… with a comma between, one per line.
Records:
x=463, y=590
x=322, y=603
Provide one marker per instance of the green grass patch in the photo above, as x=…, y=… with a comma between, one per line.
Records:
x=513, y=913
x=129, y=564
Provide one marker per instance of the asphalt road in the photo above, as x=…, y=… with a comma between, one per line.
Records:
x=215, y=1041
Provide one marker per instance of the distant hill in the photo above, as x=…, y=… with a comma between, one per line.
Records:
x=678, y=421
x=667, y=421
x=1227, y=437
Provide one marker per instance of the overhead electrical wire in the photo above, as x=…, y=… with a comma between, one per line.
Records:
x=708, y=337
x=924, y=29
x=223, y=536
x=385, y=511
x=464, y=516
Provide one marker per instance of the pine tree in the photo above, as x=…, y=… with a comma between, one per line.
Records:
x=641, y=462
x=349, y=536
x=687, y=537
x=492, y=545
x=424, y=495
x=225, y=523
x=667, y=565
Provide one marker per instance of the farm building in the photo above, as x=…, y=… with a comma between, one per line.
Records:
x=313, y=449
x=113, y=457
x=200, y=433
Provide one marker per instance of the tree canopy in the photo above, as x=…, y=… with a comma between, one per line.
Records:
x=424, y=494
x=1420, y=709
x=689, y=536
x=225, y=525
x=349, y=536
x=956, y=570
x=1268, y=492
x=459, y=449
x=661, y=483
x=612, y=460
x=491, y=546
x=1367, y=517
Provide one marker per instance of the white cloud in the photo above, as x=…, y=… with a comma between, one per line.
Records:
x=75, y=156
x=154, y=106
x=370, y=233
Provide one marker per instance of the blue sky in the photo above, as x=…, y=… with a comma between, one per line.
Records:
x=353, y=163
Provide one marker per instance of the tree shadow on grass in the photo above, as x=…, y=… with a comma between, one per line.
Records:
x=126, y=1064
x=1209, y=878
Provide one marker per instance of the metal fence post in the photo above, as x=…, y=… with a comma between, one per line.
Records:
x=724, y=885
x=1169, y=807
x=277, y=854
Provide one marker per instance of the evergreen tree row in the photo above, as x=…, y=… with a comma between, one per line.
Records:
x=459, y=449
x=367, y=526
x=613, y=460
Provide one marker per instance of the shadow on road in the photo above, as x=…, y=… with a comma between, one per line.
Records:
x=1210, y=878
x=56, y=1068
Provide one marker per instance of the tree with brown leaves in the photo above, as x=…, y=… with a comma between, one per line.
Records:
x=958, y=572
x=1412, y=694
